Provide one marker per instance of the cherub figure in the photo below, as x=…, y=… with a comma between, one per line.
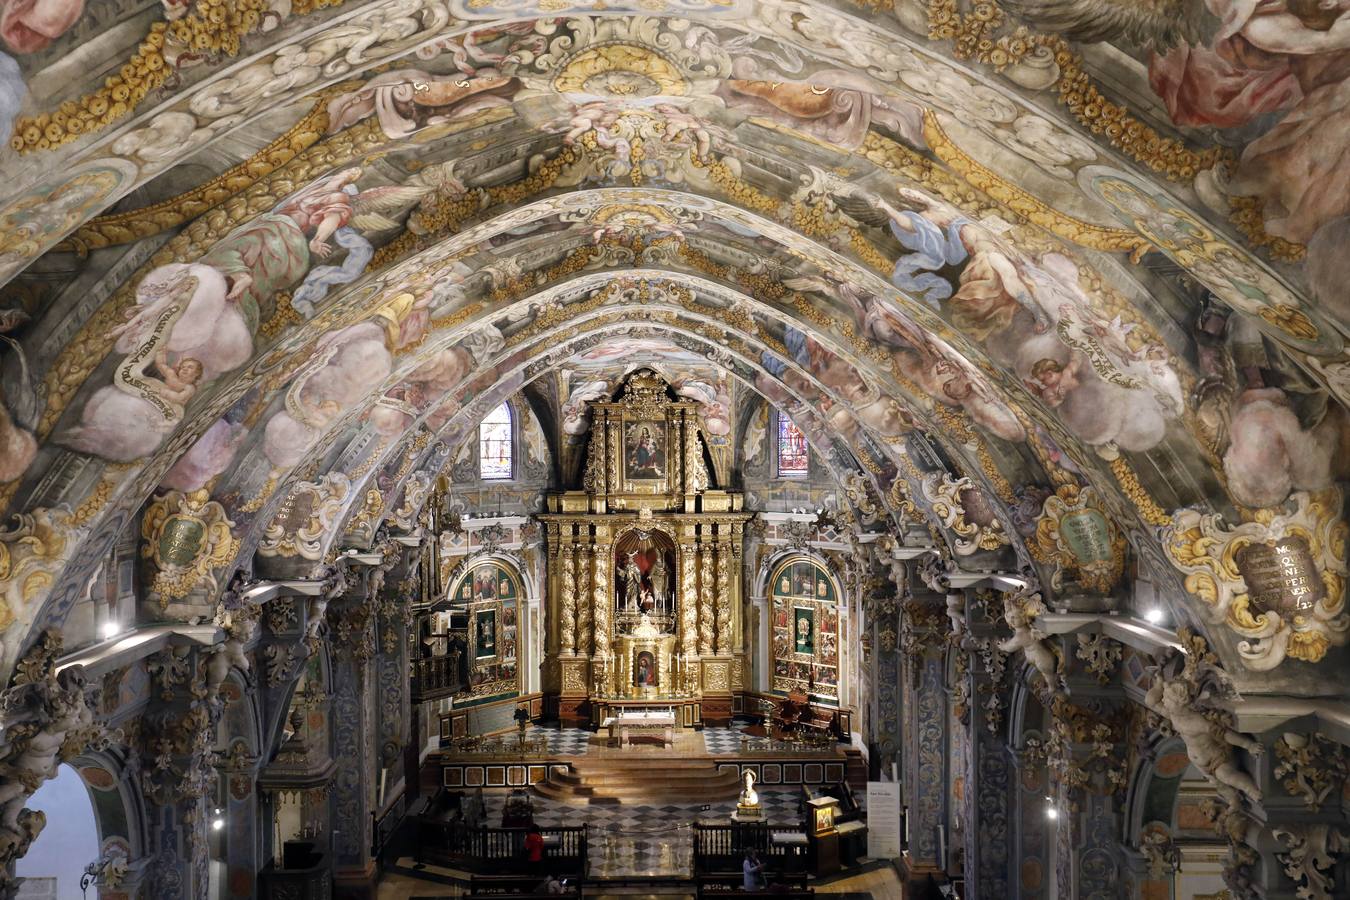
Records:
x=240, y=627
x=1187, y=691
x=50, y=710
x=1020, y=611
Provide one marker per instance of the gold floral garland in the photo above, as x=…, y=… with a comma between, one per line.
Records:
x=973, y=37
x=213, y=27
x=134, y=225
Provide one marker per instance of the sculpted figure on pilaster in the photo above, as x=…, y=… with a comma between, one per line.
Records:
x=336, y=580
x=933, y=570
x=1020, y=611
x=1190, y=692
x=241, y=626
x=47, y=720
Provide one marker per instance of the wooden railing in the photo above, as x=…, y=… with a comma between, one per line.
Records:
x=498, y=850
x=721, y=848
x=434, y=677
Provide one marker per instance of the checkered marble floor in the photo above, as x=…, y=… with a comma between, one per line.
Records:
x=562, y=741
x=721, y=741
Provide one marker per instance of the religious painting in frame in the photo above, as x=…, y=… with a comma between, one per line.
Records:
x=484, y=633
x=803, y=630
x=644, y=669
x=644, y=451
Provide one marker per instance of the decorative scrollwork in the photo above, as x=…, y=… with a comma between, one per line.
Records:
x=1277, y=580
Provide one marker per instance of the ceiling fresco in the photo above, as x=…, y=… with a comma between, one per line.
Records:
x=1056, y=282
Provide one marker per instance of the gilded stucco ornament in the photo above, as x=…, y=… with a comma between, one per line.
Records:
x=1100, y=655
x=187, y=537
x=31, y=555
x=1075, y=533
x=965, y=512
x=1311, y=767
x=310, y=511
x=1277, y=580
x=415, y=492
x=1311, y=856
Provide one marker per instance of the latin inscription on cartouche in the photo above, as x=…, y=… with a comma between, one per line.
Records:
x=1280, y=576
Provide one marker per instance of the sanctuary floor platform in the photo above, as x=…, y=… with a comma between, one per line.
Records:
x=713, y=759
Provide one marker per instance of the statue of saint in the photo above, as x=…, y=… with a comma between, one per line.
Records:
x=632, y=582
x=749, y=796
x=660, y=582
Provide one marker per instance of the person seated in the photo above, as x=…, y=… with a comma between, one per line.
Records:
x=552, y=885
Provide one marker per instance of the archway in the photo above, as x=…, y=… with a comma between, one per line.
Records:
x=70, y=840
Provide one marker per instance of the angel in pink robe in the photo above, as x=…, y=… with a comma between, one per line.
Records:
x=1268, y=57
x=28, y=26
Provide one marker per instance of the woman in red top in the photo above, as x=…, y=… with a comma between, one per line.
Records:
x=534, y=845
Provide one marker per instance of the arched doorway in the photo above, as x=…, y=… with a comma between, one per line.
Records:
x=69, y=842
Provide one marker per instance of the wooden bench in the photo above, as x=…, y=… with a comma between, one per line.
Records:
x=719, y=883
x=517, y=886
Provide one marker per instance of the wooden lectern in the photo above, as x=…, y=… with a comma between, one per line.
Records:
x=822, y=835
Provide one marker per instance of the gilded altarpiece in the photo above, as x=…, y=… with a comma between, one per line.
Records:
x=805, y=628
x=644, y=565
x=486, y=598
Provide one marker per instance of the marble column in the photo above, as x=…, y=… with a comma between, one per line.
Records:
x=988, y=761
x=1029, y=846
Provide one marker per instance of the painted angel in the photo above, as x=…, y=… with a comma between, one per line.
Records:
x=1240, y=63
x=991, y=289
x=335, y=209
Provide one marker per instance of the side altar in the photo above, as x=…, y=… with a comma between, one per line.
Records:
x=644, y=567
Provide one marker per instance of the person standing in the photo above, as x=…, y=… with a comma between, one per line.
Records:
x=751, y=869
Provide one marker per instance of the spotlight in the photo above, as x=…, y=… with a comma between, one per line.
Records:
x=217, y=823
x=111, y=630
x=1051, y=813
x=1154, y=615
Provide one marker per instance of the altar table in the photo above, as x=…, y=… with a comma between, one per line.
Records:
x=636, y=720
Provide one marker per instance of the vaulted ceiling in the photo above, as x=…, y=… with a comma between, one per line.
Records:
x=1023, y=281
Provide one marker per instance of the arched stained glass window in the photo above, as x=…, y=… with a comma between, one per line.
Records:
x=792, y=452
x=494, y=445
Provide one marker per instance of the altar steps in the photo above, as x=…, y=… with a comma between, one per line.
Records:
x=615, y=781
